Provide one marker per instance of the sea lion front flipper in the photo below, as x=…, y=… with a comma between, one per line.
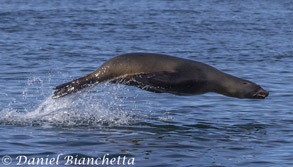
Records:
x=158, y=82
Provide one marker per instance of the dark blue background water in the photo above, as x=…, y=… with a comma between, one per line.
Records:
x=46, y=43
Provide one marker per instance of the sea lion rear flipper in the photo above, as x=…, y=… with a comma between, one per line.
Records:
x=73, y=86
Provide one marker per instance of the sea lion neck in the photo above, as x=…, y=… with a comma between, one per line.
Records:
x=225, y=84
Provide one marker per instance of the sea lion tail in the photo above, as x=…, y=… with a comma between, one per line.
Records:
x=73, y=86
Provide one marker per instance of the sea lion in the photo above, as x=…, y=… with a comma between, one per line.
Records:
x=165, y=74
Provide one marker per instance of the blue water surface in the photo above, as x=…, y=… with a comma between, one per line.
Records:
x=46, y=43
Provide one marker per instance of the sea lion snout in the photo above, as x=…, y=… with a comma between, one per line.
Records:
x=261, y=94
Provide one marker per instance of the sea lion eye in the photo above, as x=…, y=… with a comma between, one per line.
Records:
x=245, y=83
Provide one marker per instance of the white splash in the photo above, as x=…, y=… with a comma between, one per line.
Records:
x=92, y=107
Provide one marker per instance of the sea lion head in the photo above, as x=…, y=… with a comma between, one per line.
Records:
x=252, y=91
x=240, y=88
x=247, y=89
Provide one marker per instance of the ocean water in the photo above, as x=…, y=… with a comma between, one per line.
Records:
x=46, y=43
